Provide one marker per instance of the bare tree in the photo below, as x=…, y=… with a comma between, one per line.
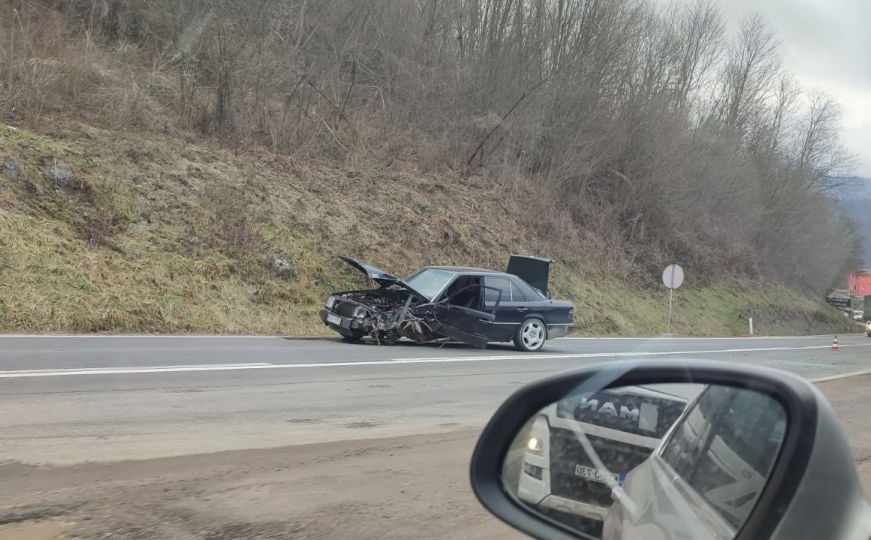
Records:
x=819, y=154
x=751, y=66
x=700, y=33
x=642, y=123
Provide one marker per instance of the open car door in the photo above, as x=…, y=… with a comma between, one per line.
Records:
x=471, y=326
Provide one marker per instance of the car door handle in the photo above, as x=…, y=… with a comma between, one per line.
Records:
x=523, y=309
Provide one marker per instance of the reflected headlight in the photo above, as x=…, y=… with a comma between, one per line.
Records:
x=538, y=436
x=330, y=301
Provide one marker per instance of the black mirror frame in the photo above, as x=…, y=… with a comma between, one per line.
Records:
x=794, y=394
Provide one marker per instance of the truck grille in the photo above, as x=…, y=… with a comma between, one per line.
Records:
x=566, y=452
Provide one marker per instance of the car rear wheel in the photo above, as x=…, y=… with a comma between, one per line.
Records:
x=531, y=335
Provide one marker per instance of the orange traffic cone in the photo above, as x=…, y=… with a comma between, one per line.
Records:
x=835, y=344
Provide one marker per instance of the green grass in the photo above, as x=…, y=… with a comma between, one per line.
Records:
x=169, y=235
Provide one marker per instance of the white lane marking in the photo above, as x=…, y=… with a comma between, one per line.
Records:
x=136, y=369
x=841, y=376
x=166, y=336
x=13, y=374
x=676, y=338
x=335, y=337
x=797, y=363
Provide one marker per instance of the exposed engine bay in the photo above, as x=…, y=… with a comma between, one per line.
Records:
x=385, y=315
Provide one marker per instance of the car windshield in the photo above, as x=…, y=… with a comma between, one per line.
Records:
x=429, y=281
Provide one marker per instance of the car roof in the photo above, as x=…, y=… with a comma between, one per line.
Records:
x=468, y=270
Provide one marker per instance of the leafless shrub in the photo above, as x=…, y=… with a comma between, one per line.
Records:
x=643, y=126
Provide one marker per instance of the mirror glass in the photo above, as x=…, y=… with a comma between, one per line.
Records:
x=662, y=461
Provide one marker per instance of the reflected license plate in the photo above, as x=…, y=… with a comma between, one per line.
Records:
x=596, y=475
x=334, y=319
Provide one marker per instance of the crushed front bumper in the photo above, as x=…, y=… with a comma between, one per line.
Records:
x=340, y=324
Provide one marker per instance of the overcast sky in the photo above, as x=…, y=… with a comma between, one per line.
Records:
x=826, y=44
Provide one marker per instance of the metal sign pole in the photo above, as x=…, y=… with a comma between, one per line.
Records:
x=670, y=293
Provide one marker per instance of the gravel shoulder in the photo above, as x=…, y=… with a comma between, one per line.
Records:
x=398, y=487
x=402, y=487
x=851, y=399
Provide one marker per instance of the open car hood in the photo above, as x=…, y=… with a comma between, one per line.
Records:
x=383, y=278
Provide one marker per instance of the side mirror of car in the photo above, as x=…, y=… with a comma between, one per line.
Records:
x=668, y=450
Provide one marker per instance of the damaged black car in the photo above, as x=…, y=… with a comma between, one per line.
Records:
x=441, y=303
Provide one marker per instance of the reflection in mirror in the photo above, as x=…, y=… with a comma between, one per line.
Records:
x=662, y=461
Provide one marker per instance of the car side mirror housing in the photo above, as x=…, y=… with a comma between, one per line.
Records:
x=669, y=449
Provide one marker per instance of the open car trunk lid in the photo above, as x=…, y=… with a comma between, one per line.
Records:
x=383, y=278
x=533, y=270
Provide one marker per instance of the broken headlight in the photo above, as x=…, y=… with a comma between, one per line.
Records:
x=359, y=312
x=330, y=302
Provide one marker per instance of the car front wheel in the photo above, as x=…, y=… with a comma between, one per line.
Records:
x=531, y=335
x=351, y=336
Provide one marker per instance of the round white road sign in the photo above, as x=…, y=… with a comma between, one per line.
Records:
x=673, y=276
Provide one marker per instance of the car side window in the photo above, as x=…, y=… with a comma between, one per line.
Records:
x=529, y=292
x=517, y=294
x=743, y=445
x=497, y=283
x=725, y=448
x=688, y=436
x=465, y=291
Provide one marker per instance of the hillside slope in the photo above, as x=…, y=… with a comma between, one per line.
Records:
x=160, y=234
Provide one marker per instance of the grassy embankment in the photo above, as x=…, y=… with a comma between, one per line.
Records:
x=162, y=234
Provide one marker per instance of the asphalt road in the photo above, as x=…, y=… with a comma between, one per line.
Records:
x=224, y=437
x=73, y=399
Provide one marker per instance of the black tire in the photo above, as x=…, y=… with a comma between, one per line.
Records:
x=531, y=335
x=349, y=336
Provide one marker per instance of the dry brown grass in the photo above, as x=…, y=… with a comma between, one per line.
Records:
x=180, y=237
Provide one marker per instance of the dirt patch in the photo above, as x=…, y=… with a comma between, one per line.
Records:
x=361, y=425
x=47, y=530
x=851, y=399
x=405, y=487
